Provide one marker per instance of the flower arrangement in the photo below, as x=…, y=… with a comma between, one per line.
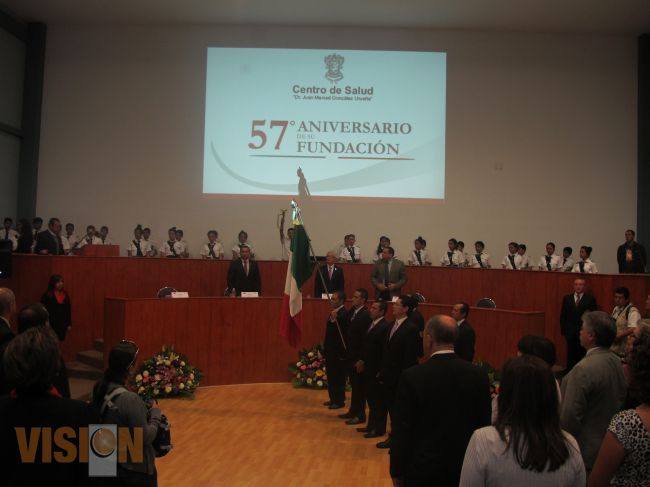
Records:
x=166, y=374
x=309, y=370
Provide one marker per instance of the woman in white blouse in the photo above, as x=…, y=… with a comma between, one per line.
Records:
x=420, y=256
x=242, y=239
x=384, y=242
x=585, y=264
x=453, y=257
x=526, y=445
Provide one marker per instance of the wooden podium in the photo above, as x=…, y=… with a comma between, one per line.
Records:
x=99, y=251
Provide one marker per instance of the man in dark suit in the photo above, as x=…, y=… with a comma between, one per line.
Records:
x=400, y=352
x=631, y=255
x=368, y=367
x=49, y=241
x=438, y=406
x=7, y=310
x=359, y=319
x=244, y=274
x=333, y=276
x=466, y=339
x=389, y=275
x=336, y=331
x=574, y=305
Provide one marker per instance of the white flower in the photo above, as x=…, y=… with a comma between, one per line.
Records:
x=182, y=363
x=168, y=389
x=167, y=362
x=145, y=373
x=310, y=354
x=157, y=376
x=140, y=390
x=298, y=364
x=155, y=392
x=138, y=378
x=308, y=381
x=319, y=383
x=181, y=386
x=192, y=376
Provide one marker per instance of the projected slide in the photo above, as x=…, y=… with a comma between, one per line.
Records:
x=325, y=123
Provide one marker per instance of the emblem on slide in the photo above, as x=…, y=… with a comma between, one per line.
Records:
x=334, y=63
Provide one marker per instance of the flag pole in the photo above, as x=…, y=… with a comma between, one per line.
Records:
x=297, y=215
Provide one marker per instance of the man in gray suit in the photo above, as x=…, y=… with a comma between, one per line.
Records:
x=389, y=275
x=595, y=388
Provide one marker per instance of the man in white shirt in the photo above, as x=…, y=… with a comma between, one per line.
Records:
x=550, y=262
x=212, y=249
x=103, y=236
x=70, y=239
x=627, y=318
x=512, y=261
x=480, y=259
x=7, y=232
x=90, y=238
x=350, y=253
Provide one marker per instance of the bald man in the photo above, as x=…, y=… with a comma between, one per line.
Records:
x=438, y=406
x=332, y=274
x=7, y=311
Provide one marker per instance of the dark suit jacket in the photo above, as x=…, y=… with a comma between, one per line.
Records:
x=465, y=342
x=396, y=276
x=639, y=259
x=372, y=348
x=418, y=320
x=571, y=316
x=337, y=283
x=400, y=352
x=357, y=332
x=46, y=410
x=334, y=349
x=238, y=279
x=438, y=406
x=46, y=241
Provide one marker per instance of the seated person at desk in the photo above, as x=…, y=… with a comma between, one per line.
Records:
x=567, y=260
x=461, y=249
x=172, y=248
x=481, y=259
x=212, y=249
x=242, y=239
x=103, y=235
x=244, y=274
x=90, y=238
x=332, y=275
x=150, y=244
x=585, y=265
x=512, y=261
x=525, y=261
x=420, y=256
x=184, y=246
x=550, y=262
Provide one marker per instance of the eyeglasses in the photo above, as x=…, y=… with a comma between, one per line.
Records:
x=137, y=349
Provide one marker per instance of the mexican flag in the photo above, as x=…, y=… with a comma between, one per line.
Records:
x=299, y=271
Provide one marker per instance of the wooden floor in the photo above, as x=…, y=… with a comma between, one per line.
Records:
x=266, y=435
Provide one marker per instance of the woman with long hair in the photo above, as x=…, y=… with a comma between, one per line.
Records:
x=526, y=445
x=384, y=242
x=115, y=404
x=25, y=237
x=57, y=302
x=623, y=456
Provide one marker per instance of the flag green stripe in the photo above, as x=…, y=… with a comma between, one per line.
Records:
x=301, y=263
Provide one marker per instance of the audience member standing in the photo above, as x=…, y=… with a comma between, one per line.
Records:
x=332, y=275
x=336, y=350
x=116, y=405
x=244, y=274
x=359, y=320
x=626, y=316
x=400, y=352
x=57, y=302
x=631, y=255
x=595, y=388
x=526, y=446
x=437, y=407
x=466, y=337
x=7, y=312
x=49, y=241
x=389, y=275
x=623, y=457
x=368, y=366
x=573, y=307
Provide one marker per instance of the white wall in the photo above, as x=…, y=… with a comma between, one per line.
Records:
x=541, y=139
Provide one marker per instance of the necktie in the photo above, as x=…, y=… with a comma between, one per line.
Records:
x=418, y=256
x=351, y=250
x=89, y=241
x=330, y=272
x=386, y=281
x=449, y=256
x=138, y=249
x=548, y=262
x=246, y=267
x=512, y=261
x=578, y=298
x=211, y=252
x=393, y=330
x=581, y=265
x=59, y=245
x=6, y=234
x=480, y=262
x=564, y=261
x=171, y=247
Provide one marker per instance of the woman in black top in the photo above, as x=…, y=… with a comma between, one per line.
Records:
x=26, y=238
x=57, y=303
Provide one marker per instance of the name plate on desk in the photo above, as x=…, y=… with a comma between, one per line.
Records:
x=325, y=296
x=394, y=298
x=180, y=294
x=250, y=294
